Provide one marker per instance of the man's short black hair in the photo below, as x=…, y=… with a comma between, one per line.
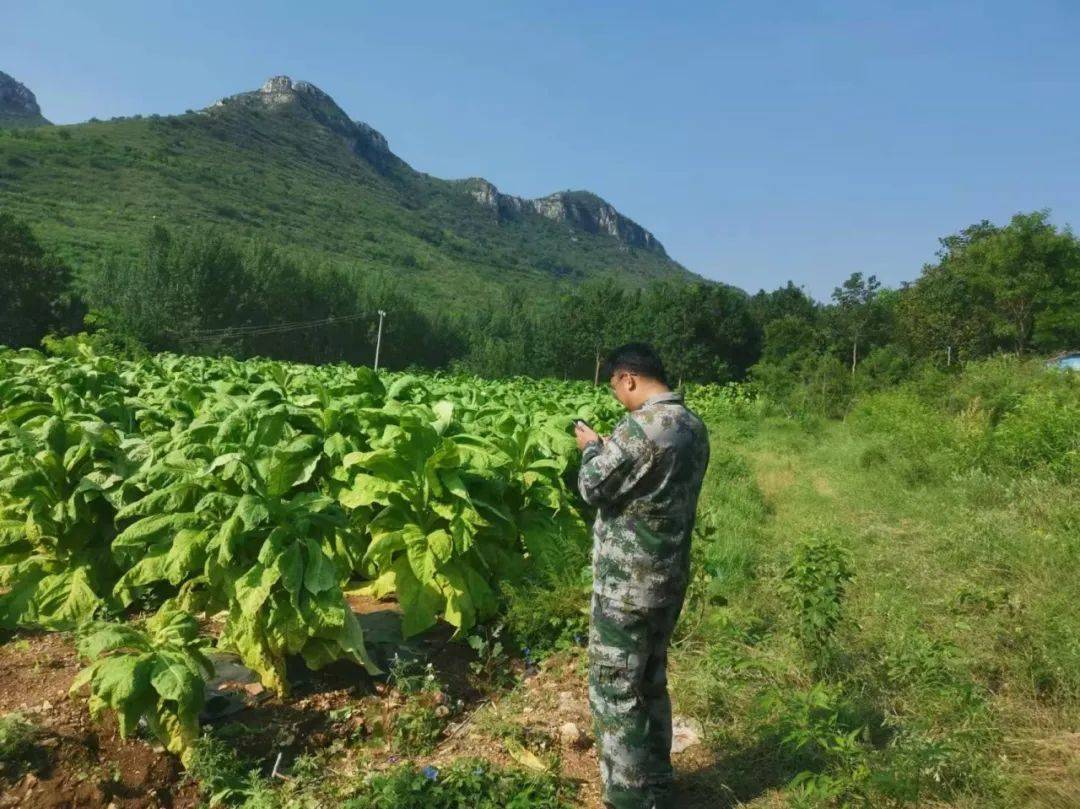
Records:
x=636, y=358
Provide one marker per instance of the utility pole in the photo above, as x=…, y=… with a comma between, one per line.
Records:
x=378, y=340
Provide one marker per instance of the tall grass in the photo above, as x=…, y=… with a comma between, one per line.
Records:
x=947, y=670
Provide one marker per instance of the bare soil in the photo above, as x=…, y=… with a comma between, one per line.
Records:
x=84, y=763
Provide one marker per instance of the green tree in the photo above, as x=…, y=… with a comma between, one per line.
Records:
x=1032, y=270
x=789, y=335
x=806, y=382
x=592, y=319
x=1015, y=287
x=943, y=316
x=786, y=301
x=35, y=288
x=500, y=337
x=855, y=314
x=704, y=332
x=174, y=292
x=206, y=292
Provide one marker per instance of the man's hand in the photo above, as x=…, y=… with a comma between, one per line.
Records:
x=584, y=434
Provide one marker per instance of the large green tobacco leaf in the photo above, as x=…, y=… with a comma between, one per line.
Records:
x=368, y=489
x=16, y=605
x=179, y=496
x=155, y=674
x=319, y=575
x=134, y=540
x=290, y=465
x=58, y=600
x=261, y=488
x=174, y=562
x=420, y=601
x=64, y=600
x=290, y=603
x=469, y=598
x=121, y=683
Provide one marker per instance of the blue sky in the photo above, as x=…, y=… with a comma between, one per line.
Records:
x=760, y=142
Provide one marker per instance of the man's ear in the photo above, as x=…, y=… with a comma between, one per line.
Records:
x=631, y=382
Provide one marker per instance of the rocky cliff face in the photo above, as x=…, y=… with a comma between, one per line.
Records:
x=580, y=209
x=18, y=107
x=281, y=92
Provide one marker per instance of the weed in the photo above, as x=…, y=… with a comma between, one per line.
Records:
x=225, y=779
x=417, y=728
x=816, y=581
x=548, y=617
x=465, y=784
x=18, y=746
x=491, y=667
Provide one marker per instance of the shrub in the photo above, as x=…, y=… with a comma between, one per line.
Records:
x=882, y=368
x=909, y=435
x=806, y=383
x=994, y=384
x=816, y=581
x=1042, y=432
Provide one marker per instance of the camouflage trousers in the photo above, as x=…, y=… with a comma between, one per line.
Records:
x=629, y=701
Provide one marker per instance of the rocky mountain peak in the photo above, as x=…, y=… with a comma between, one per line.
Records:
x=277, y=85
x=283, y=90
x=18, y=106
x=580, y=209
x=595, y=215
x=303, y=97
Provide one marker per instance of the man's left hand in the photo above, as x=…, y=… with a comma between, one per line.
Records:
x=584, y=435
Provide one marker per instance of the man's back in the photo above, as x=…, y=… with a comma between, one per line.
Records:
x=645, y=481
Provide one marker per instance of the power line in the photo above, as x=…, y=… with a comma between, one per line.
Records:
x=247, y=328
x=269, y=328
x=282, y=325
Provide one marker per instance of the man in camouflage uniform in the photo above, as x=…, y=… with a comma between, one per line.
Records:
x=644, y=481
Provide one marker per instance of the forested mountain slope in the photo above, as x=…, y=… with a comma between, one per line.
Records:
x=286, y=164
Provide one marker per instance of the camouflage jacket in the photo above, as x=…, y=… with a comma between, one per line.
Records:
x=644, y=481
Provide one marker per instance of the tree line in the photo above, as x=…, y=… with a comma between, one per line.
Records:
x=1014, y=288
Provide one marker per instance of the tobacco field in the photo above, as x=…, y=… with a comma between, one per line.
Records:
x=881, y=611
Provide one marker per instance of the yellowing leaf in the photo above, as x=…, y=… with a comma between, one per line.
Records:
x=524, y=756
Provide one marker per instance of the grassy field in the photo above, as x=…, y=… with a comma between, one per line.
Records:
x=884, y=612
x=901, y=626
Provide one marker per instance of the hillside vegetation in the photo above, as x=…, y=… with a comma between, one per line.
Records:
x=287, y=166
x=271, y=224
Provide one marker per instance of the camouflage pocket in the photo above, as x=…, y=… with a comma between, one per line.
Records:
x=618, y=636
